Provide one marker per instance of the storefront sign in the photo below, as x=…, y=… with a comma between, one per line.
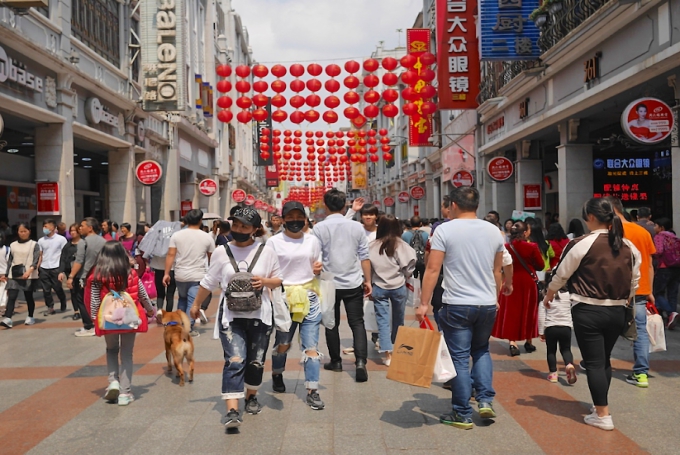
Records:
x=207, y=187
x=162, y=55
x=495, y=128
x=250, y=200
x=524, y=109
x=271, y=176
x=48, y=198
x=458, y=71
x=591, y=68
x=462, y=178
x=185, y=207
x=507, y=33
x=631, y=176
x=403, y=197
x=647, y=121
x=420, y=125
x=259, y=205
x=532, y=197
x=417, y=192
x=96, y=114
x=389, y=201
x=267, y=146
x=500, y=168
x=458, y=157
x=359, y=176
x=9, y=71
x=149, y=172
x=238, y=196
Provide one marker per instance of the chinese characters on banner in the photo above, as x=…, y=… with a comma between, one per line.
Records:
x=458, y=67
x=359, y=176
x=630, y=178
x=507, y=32
x=48, y=198
x=420, y=126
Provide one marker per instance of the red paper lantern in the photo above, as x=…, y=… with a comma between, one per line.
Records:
x=387, y=156
x=333, y=70
x=297, y=70
x=362, y=158
x=330, y=117
x=314, y=85
x=288, y=133
x=382, y=131
x=297, y=117
x=314, y=69
x=242, y=86
x=223, y=86
x=384, y=140
x=309, y=134
x=428, y=91
x=260, y=115
x=278, y=86
x=371, y=97
x=351, y=97
x=311, y=115
x=427, y=58
x=224, y=102
x=390, y=79
x=371, y=81
x=351, y=113
x=297, y=101
x=244, y=102
x=389, y=63
x=260, y=71
x=428, y=108
x=427, y=75
x=225, y=116
x=278, y=101
x=331, y=85
x=352, y=67
x=374, y=158
x=408, y=77
x=409, y=94
x=318, y=134
x=339, y=134
x=260, y=100
x=244, y=116
x=276, y=133
x=390, y=95
x=279, y=70
x=223, y=70
x=371, y=65
x=279, y=116
x=243, y=71
x=390, y=111
x=351, y=82
x=371, y=111
x=409, y=109
x=265, y=155
x=265, y=132
x=297, y=85
x=408, y=60
x=320, y=142
x=313, y=100
x=331, y=102
x=386, y=148
x=297, y=156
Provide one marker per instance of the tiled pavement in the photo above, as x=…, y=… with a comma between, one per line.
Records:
x=51, y=385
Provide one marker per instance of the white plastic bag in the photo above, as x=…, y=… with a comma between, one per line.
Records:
x=370, y=321
x=282, y=320
x=657, y=337
x=413, y=292
x=443, y=367
x=3, y=294
x=327, y=287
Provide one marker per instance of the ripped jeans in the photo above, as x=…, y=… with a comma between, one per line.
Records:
x=309, y=340
x=245, y=344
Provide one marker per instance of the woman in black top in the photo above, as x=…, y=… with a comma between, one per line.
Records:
x=68, y=257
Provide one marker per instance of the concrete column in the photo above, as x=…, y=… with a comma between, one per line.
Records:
x=122, y=200
x=432, y=199
x=528, y=172
x=503, y=198
x=54, y=152
x=575, y=174
x=674, y=82
x=170, y=208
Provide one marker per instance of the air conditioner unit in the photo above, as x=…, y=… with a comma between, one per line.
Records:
x=18, y=4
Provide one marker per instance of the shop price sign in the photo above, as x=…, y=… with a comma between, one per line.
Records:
x=500, y=168
x=458, y=71
x=507, y=33
x=647, y=121
x=403, y=197
x=48, y=198
x=388, y=201
x=149, y=172
x=207, y=187
x=462, y=178
x=417, y=192
x=250, y=200
x=532, y=197
x=238, y=196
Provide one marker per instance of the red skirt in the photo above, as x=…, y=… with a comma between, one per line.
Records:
x=517, y=317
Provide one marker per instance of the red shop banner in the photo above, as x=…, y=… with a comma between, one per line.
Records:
x=403, y=197
x=420, y=126
x=500, y=168
x=238, y=196
x=149, y=172
x=532, y=197
x=271, y=176
x=48, y=198
x=458, y=54
x=250, y=200
x=185, y=207
x=388, y=201
x=207, y=187
x=417, y=192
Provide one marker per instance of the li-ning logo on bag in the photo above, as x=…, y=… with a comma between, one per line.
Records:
x=406, y=349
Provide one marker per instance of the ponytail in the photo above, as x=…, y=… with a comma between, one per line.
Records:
x=603, y=211
x=616, y=234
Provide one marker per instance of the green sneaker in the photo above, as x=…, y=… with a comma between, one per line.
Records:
x=486, y=411
x=455, y=420
x=639, y=380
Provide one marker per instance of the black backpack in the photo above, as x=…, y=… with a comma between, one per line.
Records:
x=240, y=294
x=418, y=244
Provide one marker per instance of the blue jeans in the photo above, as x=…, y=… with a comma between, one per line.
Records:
x=187, y=291
x=467, y=329
x=641, y=345
x=245, y=344
x=666, y=285
x=381, y=301
x=309, y=341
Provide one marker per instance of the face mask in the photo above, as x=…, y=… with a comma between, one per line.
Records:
x=239, y=237
x=46, y=231
x=295, y=226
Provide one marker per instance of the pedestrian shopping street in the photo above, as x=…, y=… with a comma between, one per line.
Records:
x=52, y=385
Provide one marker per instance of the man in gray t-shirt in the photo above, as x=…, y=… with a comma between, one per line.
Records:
x=86, y=254
x=471, y=252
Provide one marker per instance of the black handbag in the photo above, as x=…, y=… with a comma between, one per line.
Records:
x=19, y=269
x=540, y=285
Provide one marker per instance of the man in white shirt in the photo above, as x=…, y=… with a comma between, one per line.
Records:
x=471, y=251
x=51, y=245
x=188, y=251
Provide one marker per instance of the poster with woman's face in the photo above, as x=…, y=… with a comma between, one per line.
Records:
x=647, y=120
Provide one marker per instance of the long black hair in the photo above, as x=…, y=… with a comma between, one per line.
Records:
x=603, y=211
x=536, y=235
x=112, y=266
x=389, y=234
x=555, y=232
x=576, y=228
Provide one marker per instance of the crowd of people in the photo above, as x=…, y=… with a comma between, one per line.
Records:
x=517, y=282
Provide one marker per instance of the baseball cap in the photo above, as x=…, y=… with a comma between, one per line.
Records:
x=292, y=205
x=246, y=215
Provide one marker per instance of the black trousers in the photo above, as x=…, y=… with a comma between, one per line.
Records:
x=354, y=306
x=79, y=293
x=558, y=335
x=597, y=328
x=12, y=295
x=49, y=279
x=163, y=293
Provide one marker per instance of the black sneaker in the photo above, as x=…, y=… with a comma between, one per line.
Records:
x=582, y=365
x=279, y=386
x=252, y=406
x=75, y=316
x=314, y=401
x=232, y=419
x=457, y=421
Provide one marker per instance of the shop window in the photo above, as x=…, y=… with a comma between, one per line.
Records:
x=96, y=23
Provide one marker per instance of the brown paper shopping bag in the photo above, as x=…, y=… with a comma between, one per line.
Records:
x=414, y=355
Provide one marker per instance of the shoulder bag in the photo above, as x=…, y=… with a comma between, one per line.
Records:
x=20, y=269
x=539, y=284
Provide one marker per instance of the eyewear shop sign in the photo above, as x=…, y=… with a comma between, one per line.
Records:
x=628, y=178
x=507, y=33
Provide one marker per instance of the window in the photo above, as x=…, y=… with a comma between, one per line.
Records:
x=96, y=24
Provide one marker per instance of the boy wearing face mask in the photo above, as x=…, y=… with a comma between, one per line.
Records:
x=299, y=258
x=51, y=245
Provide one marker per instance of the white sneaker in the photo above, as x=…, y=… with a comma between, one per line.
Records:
x=85, y=333
x=112, y=392
x=7, y=322
x=603, y=423
x=29, y=321
x=203, y=316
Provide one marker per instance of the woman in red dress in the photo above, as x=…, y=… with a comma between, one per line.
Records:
x=558, y=240
x=517, y=317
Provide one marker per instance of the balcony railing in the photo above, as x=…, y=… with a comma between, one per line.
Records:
x=559, y=18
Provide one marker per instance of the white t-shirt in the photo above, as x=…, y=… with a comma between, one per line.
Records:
x=51, y=250
x=296, y=257
x=370, y=236
x=221, y=270
x=470, y=248
x=192, y=247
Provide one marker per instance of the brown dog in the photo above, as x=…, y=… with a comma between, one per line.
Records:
x=178, y=342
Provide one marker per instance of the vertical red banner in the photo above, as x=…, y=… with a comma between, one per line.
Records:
x=458, y=70
x=420, y=126
x=48, y=198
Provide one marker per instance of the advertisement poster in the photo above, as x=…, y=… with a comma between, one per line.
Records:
x=17, y=204
x=532, y=197
x=456, y=157
x=359, y=176
x=647, y=120
x=48, y=198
